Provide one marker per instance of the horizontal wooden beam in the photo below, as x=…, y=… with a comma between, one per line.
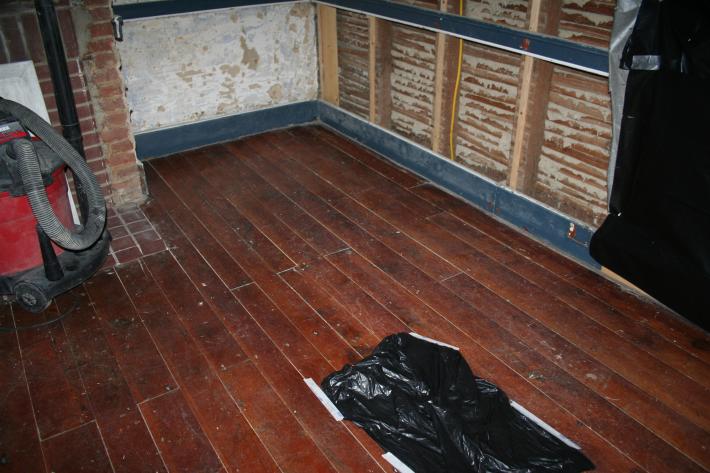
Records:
x=556, y=50
x=135, y=11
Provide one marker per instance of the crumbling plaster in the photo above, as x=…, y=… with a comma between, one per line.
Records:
x=184, y=68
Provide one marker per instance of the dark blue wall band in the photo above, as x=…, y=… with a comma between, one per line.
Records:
x=547, y=47
x=133, y=11
x=533, y=217
x=166, y=141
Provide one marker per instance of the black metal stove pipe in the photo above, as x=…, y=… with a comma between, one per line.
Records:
x=57, y=61
x=53, y=47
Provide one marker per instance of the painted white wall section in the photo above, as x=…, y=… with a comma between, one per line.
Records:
x=197, y=66
x=18, y=82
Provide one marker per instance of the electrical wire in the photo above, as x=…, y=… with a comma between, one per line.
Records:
x=20, y=328
x=454, y=101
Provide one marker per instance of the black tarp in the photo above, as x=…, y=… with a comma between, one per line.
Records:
x=421, y=402
x=658, y=232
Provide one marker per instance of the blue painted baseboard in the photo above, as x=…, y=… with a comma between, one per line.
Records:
x=534, y=218
x=530, y=216
x=165, y=141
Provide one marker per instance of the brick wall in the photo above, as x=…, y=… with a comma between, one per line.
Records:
x=98, y=89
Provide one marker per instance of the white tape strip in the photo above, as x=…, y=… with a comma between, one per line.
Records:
x=543, y=424
x=431, y=340
x=397, y=463
x=327, y=403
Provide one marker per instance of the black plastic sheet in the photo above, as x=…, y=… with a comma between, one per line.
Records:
x=420, y=401
x=657, y=234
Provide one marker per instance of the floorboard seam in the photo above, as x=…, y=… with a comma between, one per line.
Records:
x=158, y=396
x=347, y=248
x=236, y=288
x=83, y=424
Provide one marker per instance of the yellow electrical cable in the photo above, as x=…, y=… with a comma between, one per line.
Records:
x=454, y=98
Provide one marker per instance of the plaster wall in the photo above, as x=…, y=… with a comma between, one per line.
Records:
x=184, y=68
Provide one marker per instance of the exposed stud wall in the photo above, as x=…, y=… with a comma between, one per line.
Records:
x=567, y=167
x=191, y=67
x=575, y=155
x=353, y=61
x=413, y=65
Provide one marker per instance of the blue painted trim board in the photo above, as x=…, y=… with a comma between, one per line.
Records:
x=533, y=217
x=134, y=11
x=554, y=49
x=165, y=141
x=549, y=48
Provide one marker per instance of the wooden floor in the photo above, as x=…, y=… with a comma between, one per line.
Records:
x=293, y=253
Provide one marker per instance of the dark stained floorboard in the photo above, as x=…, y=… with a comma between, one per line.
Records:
x=184, y=446
x=142, y=365
x=656, y=320
x=295, y=252
x=55, y=385
x=19, y=442
x=79, y=449
x=126, y=436
x=198, y=351
x=283, y=373
x=422, y=319
x=678, y=391
x=641, y=337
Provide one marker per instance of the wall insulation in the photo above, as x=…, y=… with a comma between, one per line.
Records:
x=185, y=68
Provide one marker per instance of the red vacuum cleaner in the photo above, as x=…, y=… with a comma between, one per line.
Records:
x=42, y=252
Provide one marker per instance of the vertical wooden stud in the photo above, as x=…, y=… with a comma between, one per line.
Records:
x=372, y=70
x=380, y=72
x=446, y=72
x=328, y=54
x=533, y=96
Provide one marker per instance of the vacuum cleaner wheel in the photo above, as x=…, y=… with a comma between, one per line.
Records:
x=30, y=297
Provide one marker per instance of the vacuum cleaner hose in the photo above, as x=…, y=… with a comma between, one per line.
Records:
x=28, y=166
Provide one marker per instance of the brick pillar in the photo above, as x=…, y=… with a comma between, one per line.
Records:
x=101, y=63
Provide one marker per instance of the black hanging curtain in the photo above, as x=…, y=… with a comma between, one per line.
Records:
x=657, y=234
